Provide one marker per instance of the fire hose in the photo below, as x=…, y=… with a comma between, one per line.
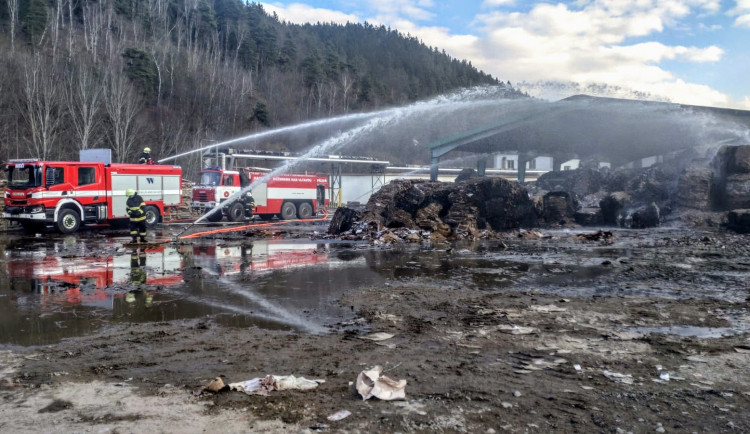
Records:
x=243, y=227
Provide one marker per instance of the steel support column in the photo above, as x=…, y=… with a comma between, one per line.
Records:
x=482, y=166
x=335, y=185
x=377, y=179
x=522, y=169
x=434, y=163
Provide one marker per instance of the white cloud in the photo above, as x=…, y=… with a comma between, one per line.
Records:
x=408, y=9
x=655, y=52
x=589, y=44
x=490, y=3
x=299, y=13
x=711, y=5
x=742, y=21
x=742, y=6
x=586, y=41
x=742, y=11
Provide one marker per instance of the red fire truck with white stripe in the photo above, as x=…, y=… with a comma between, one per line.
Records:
x=285, y=196
x=66, y=194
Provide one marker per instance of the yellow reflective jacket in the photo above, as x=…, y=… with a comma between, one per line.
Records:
x=135, y=208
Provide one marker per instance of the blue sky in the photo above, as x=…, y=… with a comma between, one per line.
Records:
x=686, y=51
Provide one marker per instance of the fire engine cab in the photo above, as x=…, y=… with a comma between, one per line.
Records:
x=286, y=196
x=66, y=194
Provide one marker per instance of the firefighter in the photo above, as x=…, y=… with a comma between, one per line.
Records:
x=137, y=262
x=137, y=215
x=249, y=202
x=247, y=197
x=146, y=157
x=244, y=179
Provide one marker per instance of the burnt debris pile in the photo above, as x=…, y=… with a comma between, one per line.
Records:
x=640, y=198
x=730, y=186
x=475, y=207
x=416, y=209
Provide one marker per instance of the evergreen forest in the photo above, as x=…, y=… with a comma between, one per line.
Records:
x=176, y=74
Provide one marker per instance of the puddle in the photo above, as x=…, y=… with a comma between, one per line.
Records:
x=57, y=287
x=53, y=289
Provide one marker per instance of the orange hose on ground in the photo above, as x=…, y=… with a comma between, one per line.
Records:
x=255, y=225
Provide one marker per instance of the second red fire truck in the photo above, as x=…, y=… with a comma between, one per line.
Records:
x=287, y=196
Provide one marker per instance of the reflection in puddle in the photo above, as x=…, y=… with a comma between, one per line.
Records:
x=53, y=290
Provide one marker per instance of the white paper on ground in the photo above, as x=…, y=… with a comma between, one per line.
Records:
x=370, y=383
x=261, y=386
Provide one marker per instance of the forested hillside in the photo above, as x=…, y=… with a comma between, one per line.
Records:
x=173, y=74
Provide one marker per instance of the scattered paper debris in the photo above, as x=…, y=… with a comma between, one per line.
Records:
x=619, y=378
x=532, y=234
x=539, y=364
x=626, y=336
x=378, y=337
x=342, y=414
x=516, y=330
x=389, y=346
x=215, y=386
x=547, y=308
x=388, y=317
x=370, y=383
x=269, y=383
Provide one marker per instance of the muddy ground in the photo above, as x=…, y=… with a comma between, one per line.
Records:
x=648, y=332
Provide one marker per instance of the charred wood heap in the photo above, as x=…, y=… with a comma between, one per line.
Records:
x=416, y=209
x=474, y=207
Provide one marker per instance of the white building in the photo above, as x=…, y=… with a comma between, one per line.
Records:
x=571, y=164
x=510, y=161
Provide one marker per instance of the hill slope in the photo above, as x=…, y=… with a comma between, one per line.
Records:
x=173, y=74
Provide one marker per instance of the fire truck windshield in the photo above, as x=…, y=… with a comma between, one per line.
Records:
x=210, y=178
x=23, y=176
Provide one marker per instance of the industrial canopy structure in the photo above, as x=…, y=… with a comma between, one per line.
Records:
x=618, y=131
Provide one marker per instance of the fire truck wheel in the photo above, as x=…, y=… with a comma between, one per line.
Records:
x=68, y=221
x=288, y=211
x=305, y=210
x=152, y=216
x=236, y=212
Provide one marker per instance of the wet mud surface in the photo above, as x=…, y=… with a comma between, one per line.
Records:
x=647, y=332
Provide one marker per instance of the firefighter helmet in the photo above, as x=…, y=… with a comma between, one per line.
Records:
x=129, y=192
x=147, y=150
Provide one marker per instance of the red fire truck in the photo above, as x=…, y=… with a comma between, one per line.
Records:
x=67, y=194
x=260, y=256
x=286, y=196
x=49, y=272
